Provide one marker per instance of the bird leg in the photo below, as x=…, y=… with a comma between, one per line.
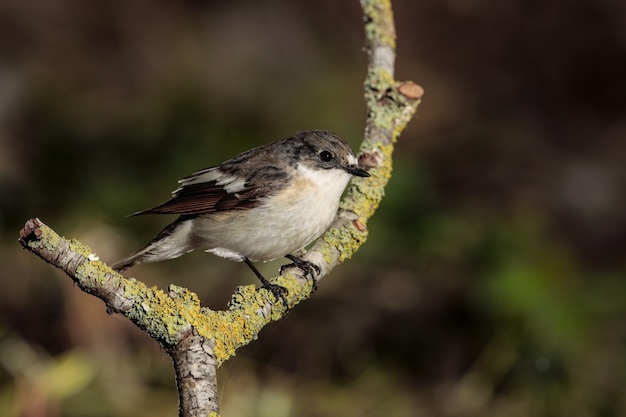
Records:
x=309, y=268
x=278, y=290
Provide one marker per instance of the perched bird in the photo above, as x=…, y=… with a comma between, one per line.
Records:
x=265, y=203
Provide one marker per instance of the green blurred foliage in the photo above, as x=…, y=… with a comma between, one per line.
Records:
x=492, y=283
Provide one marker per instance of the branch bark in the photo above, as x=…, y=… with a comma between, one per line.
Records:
x=199, y=339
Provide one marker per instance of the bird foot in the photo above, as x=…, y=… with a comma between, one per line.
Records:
x=279, y=292
x=309, y=268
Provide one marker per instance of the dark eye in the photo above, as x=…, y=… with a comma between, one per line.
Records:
x=326, y=156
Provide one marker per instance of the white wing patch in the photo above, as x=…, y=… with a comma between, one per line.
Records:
x=205, y=175
x=231, y=184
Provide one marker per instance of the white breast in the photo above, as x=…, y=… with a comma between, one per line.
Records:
x=282, y=224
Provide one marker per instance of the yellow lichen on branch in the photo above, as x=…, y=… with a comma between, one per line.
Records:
x=171, y=316
x=379, y=23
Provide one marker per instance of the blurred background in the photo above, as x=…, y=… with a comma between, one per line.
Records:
x=493, y=281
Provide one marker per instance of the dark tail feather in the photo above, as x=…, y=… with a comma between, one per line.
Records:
x=129, y=261
x=171, y=242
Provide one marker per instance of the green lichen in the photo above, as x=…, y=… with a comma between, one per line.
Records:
x=345, y=240
x=388, y=108
x=405, y=109
x=327, y=249
x=236, y=327
x=379, y=96
x=48, y=238
x=365, y=195
x=164, y=315
x=247, y=316
x=153, y=311
x=226, y=329
x=379, y=25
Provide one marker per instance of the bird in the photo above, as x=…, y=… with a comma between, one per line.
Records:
x=269, y=202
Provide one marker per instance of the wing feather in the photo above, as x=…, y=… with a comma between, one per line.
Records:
x=216, y=189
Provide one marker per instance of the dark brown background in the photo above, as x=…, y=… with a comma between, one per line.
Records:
x=493, y=280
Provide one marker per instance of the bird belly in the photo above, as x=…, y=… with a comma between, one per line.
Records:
x=278, y=226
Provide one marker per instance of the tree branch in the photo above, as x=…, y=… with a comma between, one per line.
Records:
x=199, y=339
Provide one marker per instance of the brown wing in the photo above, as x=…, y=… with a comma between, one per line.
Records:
x=212, y=190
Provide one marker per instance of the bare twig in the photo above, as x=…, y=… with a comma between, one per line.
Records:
x=199, y=339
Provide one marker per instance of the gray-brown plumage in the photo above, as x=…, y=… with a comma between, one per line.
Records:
x=260, y=205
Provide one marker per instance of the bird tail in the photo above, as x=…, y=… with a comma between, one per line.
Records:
x=132, y=260
x=172, y=242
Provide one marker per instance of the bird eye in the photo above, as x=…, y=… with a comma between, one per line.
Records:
x=326, y=156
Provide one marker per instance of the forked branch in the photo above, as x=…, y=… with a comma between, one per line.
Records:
x=199, y=339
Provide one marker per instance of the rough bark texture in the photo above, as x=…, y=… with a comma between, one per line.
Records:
x=199, y=339
x=196, y=375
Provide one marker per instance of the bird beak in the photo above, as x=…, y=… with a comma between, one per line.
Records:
x=356, y=171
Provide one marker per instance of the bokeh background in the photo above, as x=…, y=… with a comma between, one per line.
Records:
x=493, y=281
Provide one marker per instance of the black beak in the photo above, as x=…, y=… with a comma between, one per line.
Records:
x=356, y=171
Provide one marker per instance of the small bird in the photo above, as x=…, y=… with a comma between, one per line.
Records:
x=266, y=203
